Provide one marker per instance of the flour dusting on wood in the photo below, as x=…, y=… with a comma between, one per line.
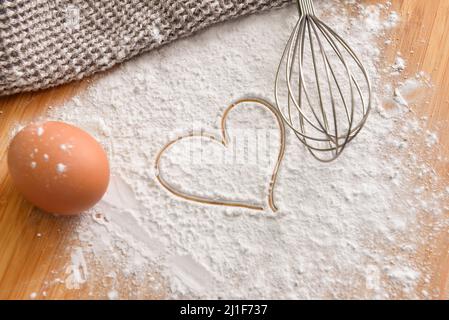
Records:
x=350, y=229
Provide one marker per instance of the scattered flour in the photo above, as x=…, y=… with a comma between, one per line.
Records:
x=77, y=271
x=61, y=168
x=399, y=64
x=399, y=98
x=113, y=295
x=40, y=131
x=349, y=229
x=64, y=147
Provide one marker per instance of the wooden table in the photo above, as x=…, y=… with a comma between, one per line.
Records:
x=32, y=245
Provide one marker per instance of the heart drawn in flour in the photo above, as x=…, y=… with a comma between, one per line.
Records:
x=225, y=142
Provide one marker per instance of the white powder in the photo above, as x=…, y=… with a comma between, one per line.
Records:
x=399, y=98
x=40, y=131
x=431, y=139
x=399, y=64
x=77, y=271
x=349, y=229
x=156, y=33
x=61, y=168
x=113, y=295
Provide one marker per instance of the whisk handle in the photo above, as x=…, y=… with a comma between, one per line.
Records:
x=306, y=7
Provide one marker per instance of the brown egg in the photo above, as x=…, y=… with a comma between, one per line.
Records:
x=58, y=167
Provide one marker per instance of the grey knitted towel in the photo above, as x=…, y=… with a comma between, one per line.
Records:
x=44, y=43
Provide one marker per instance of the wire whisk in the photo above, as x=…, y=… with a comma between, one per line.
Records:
x=325, y=88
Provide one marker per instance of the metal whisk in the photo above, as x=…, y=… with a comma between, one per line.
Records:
x=327, y=106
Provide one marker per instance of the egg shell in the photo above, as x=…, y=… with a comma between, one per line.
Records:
x=58, y=167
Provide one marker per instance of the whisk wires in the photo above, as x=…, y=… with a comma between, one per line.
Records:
x=317, y=60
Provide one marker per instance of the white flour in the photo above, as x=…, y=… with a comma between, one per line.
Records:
x=344, y=230
x=78, y=270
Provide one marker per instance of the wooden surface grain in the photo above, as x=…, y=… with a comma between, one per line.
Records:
x=32, y=245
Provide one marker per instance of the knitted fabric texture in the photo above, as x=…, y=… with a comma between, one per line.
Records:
x=44, y=43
